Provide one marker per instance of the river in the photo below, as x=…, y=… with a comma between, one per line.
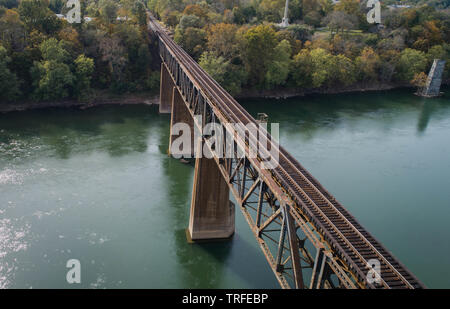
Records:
x=97, y=186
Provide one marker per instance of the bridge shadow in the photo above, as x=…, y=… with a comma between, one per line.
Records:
x=221, y=264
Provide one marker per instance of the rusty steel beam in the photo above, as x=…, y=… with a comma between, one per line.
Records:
x=343, y=262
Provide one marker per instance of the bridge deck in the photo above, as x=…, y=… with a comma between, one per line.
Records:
x=336, y=226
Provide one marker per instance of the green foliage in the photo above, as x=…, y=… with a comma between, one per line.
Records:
x=108, y=11
x=229, y=76
x=56, y=5
x=278, y=69
x=52, y=80
x=53, y=50
x=9, y=84
x=411, y=62
x=301, y=32
x=368, y=64
x=193, y=40
x=258, y=46
x=36, y=15
x=9, y=3
x=84, y=67
x=238, y=42
x=139, y=11
x=153, y=81
x=52, y=77
x=318, y=68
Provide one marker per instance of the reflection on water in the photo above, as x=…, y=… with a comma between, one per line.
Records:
x=97, y=185
x=385, y=156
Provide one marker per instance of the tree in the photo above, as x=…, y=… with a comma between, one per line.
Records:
x=436, y=52
x=53, y=50
x=12, y=32
x=9, y=4
x=9, y=84
x=84, y=67
x=340, y=21
x=188, y=21
x=108, y=11
x=321, y=61
x=222, y=40
x=139, y=12
x=171, y=18
x=197, y=10
x=33, y=12
x=341, y=71
x=57, y=5
x=278, y=69
x=258, y=45
x=243, y=15
x=420, y=81
x=36, y=15
x=52, y=77
x=302, y=69
x=52, y=80
x=411, y=61
x=113, y=53
x=272, y=10
x=368, y=64
x=193, y=40
x=229, y=76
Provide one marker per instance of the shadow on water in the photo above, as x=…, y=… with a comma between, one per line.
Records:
x=199, y=269
x=208, y=264
x=428, y=108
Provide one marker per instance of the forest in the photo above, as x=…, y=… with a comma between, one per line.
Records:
x=44, y=57
x=328, y=45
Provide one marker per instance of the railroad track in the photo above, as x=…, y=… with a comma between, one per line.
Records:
x=349, y=240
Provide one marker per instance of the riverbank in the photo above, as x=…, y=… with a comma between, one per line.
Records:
x=153, y=99
x=97, y=100
x=287, y=93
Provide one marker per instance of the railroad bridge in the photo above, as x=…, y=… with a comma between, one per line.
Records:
x=308, y=238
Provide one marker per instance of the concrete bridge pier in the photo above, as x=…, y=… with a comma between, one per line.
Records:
x=212, y=213
x=180, y=114
x=166, y=91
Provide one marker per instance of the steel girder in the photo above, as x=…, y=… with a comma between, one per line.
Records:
x=296, y=251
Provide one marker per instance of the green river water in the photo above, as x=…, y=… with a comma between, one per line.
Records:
x=97, y=186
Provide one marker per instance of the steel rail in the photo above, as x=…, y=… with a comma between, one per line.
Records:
x=214, y=89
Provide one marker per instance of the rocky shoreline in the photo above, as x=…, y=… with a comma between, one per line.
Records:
x=153, y=99
x=130, y=99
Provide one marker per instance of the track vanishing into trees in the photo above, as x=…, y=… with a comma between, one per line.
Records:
x=347, y=238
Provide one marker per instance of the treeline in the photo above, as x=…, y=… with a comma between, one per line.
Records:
x=44, y=57
x=327, y=45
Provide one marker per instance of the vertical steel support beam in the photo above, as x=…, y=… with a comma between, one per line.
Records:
x=318, y=269
x=281, y=246
x=244, y=176
x=260, y=203
x=295, y=252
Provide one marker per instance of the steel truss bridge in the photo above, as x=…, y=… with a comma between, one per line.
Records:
x=308, y=238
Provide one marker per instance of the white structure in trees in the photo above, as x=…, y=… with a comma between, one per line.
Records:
x=285, y=21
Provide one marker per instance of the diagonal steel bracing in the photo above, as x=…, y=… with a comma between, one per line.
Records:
x=307, y=237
